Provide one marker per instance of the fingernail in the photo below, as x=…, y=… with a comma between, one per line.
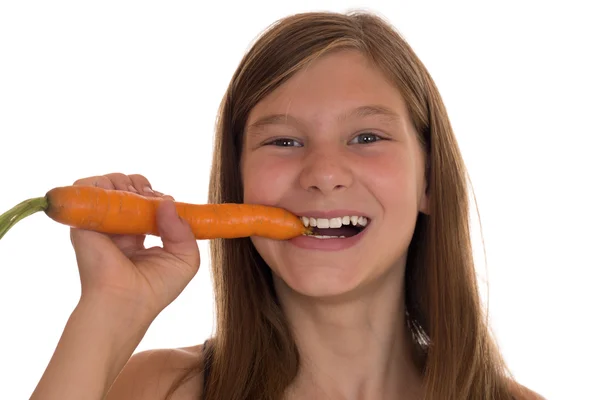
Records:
x=132, y=189
x=148, y=190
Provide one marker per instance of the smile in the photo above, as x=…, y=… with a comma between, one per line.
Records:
x=337, y=227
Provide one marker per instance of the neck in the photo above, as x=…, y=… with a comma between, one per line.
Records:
x=357, y=347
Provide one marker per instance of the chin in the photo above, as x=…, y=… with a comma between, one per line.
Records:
x=325, y=273
x=318, y=279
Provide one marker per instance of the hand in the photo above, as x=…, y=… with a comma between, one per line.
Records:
x=119, y=270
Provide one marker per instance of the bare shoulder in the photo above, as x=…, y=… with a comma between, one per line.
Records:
x=150, y=374
x=523, y=393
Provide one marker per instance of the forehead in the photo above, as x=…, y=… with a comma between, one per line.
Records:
x=338, y=84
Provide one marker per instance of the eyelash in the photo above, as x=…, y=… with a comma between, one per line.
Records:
x=378, y=138
x=274, y=142
x=279, y=140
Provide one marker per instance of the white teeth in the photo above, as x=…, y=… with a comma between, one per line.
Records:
x=328, y=237
x=337, y=222
x=322, y=223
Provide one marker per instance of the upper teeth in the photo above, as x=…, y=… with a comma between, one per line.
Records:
x=334, y=222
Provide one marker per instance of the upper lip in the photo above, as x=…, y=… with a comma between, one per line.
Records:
x=331, y=214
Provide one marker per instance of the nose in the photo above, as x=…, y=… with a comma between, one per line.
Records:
x=326, y=171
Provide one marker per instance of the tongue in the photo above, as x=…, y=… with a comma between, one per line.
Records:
x=345, y=230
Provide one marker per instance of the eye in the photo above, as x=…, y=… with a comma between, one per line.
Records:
x=284, y=142
x=366, y=138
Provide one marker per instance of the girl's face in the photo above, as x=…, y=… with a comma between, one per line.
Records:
x=335, y=145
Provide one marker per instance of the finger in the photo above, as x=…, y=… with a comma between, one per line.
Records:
x=121, y=182
x=141, y=184
x=97, y=181
x=176, y=235
x=144, y=186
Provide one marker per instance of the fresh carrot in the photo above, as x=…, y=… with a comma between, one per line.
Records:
x=128, y=213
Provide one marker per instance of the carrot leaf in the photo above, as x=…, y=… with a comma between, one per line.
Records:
x=20, y=211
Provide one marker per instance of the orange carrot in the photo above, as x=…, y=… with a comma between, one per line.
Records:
x=128, y=213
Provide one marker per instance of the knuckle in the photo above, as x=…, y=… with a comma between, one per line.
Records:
x=143, y=185
x=139, y=178
x=103, y=182
x=85, y=181
x=98, y=181
x=119, y=180
x=139, y=181
x=116, y=175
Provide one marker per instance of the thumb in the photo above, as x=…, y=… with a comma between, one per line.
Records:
x=176, y=234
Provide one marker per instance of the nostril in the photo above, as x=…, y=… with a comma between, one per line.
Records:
x=325, y=189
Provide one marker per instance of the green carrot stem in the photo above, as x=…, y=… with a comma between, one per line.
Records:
x=20, y=211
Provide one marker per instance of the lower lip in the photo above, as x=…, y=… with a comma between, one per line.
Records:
x=312, y=243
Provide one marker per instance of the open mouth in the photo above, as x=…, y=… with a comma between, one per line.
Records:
x=335, y=228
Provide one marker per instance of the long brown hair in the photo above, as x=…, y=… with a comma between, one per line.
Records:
x=253, y=354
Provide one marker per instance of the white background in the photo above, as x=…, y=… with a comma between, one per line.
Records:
x=89, y=88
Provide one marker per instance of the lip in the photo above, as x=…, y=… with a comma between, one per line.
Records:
x=308, y=242
x=331, y=213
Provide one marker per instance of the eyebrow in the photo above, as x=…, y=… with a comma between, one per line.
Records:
x=359, y=112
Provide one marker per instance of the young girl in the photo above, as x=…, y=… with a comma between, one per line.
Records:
x=334, y=118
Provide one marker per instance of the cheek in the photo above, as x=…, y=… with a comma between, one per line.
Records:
x=392, y=178
x=266, y=179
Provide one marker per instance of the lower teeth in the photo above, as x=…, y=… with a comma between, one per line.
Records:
x=328, y=237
